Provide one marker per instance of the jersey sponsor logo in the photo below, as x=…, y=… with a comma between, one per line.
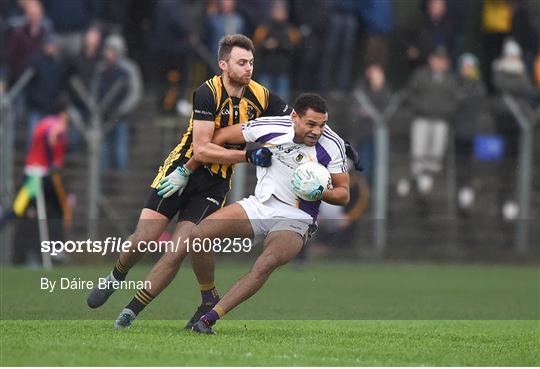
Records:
x=287, y=148
x=203, y=112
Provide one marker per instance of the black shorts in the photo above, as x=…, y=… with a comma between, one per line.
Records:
x=204, y=194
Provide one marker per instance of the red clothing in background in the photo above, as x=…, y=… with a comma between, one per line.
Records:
x=42, y=153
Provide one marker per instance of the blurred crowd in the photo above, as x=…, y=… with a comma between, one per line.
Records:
x=448, y=55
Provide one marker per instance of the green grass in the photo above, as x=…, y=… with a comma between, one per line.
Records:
x=323, y=314
x=291, y=343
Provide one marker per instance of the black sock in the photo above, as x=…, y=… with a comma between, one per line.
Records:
x=139, y=302
x=119, y=271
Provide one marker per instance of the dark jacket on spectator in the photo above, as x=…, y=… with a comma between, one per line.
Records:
x=380, y=100
x=378, y=15
x=72, y=15
x=106, y=77
x=431, y=97
x=277, y=60
x=472, y=107
x=426, y=35
x=171, y=32
x=509, y=81
x=22, y=48
x=47, y=83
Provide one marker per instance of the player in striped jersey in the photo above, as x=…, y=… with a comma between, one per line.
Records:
x=275, y=211
x=222, y=101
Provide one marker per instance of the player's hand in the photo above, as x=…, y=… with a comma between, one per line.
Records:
x=261, y=157
x=307, y=186
x=353, y=155
x=176, y=181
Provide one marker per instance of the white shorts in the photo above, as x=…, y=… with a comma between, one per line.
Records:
x=274, y=215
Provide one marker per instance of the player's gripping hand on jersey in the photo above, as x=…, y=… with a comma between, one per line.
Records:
x=176, y=181
x=261, y=157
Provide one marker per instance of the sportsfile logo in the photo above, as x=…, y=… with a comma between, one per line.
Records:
x=110, y=245
x=117, y=245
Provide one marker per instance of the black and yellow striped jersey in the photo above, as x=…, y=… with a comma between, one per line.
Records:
x=212, y=103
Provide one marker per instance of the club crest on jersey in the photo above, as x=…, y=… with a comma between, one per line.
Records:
x=250, y=113
x=299, y=158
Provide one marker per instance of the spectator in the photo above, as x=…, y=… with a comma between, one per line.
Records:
x=510, y=76
x=311, y=17
x=170, y=42
x=524, y=31
x=433, y=98
x=46, y=85
x=470, y=113
x=71, y=19
x=85, y=64
x=509, y=71
x=497, y=18
x=375, y=87
x=26, y=39
x=275, y=41
x=84, y=68
x=255, y=13
x=339, y=47
x=378, y=18
x=433, y=28
x=110, y=73
x=223, y=21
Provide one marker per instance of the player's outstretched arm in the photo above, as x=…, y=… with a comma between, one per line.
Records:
x=339, y=194
x=177, y=180
x=227, y=135
x=207, y=149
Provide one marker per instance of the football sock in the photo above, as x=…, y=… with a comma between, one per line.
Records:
x=213, y=315
x=139, y=302
x=119, y=271
x=209, y=294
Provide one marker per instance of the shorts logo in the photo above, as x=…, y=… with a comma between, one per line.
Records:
x=213, y=200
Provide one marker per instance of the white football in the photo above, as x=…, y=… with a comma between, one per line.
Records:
x=313, y=172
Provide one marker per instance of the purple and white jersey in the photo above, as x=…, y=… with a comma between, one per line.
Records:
x=277, y=133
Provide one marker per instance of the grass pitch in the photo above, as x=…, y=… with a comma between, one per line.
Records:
x=323, y=314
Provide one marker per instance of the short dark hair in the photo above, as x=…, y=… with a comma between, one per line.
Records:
x=59, y=105
x=227, y=43
x=310, y=101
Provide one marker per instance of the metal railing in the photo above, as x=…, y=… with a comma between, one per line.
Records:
x=525, y=171
x=93, y=133
x=381, y=171
x=7, y=157
x=382, y=152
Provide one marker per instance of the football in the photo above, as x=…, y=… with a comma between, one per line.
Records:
x=313, y=177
